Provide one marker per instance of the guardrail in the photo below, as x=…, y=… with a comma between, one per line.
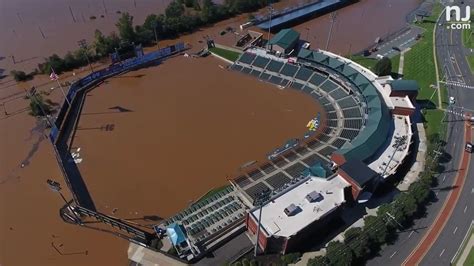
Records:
x=114, y=222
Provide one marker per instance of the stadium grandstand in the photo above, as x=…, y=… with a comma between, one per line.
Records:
x=366, y=137
x=205, y=223
x=363, y=137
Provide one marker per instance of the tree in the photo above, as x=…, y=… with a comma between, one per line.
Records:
x=419, y=190
x=393, y=213
x=375, y=228
x=125, y=28
x=174, y=10
x=196, y=5
x=291, y=258
x=144, y=35
x=113, y=41
x=101, y=43
x=154, y=22
x=39, y=107
x=208, y=12
x=253, y=262
x=356, y=239
x=318, y=261
x=189, y=3
x=20, y=75
x=338, y=254
x=407, y=203
x=383, y=67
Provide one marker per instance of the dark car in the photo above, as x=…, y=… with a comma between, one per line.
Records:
x=396, y=48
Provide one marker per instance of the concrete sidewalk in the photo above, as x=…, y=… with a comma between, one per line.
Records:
x=419, y=165
x=469, y=246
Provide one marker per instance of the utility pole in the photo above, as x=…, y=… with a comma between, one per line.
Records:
x=54, y=76
x=393, y=219
x=83, y=44
x=261, y=199
x=154, y=31
x=270, y=9
x=333, y=19
x=444, y=77
x=105, y=8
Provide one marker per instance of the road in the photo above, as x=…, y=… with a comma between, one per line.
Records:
x=403, y=41
x=451, y=59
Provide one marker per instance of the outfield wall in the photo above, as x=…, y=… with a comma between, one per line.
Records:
x=64, y=125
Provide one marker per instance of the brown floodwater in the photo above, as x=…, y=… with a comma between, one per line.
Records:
x=29, y=220
x=187, y=127
x=24, y=22
x=357, y=26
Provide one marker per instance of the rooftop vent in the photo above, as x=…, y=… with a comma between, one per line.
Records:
x=292, y=210
x=314, y=196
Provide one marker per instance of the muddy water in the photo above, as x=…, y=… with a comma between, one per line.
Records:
x=29, y=210
x=182, y=134
x=29, y=219
x=23, y=23
x=357, y=26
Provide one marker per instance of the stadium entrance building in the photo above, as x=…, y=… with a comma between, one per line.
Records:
x=290, y=218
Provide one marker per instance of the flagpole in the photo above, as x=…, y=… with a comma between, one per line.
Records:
x=56, y=77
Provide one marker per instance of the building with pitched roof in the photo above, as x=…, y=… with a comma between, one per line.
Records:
x=284, y=41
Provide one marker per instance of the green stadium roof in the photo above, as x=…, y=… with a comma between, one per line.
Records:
x=285, y=38
x=405, y=85
x=378, y=123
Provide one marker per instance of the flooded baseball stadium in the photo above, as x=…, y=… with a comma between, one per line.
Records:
x=160, y=133
x=174, y=111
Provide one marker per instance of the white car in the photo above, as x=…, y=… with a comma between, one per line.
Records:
x=306, y=45
x=452, y=100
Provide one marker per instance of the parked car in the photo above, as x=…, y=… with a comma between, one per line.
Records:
x=468, y=147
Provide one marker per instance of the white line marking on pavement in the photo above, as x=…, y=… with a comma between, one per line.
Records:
x=455, y=229
x=411, y=234
x=444, y=178
x=437, y=192
x=465, y=209
x=442, y=252
x=393, y=254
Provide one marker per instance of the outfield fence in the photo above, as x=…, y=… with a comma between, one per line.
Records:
x=66, y=122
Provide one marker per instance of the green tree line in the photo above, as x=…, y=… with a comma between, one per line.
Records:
x=180, y=16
